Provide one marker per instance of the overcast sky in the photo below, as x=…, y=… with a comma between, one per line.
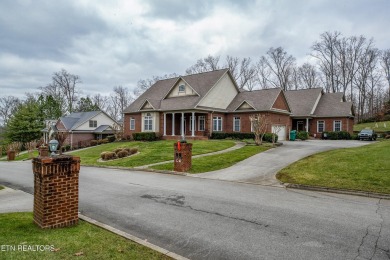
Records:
x=111, y=43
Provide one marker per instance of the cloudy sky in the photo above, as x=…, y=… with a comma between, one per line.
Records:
x=111, y=43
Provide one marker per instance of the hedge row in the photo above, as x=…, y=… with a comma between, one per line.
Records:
x=340, y=135
x=148, y=136
x=239, y=136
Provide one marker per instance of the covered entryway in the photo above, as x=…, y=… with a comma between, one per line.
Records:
x=280, y=130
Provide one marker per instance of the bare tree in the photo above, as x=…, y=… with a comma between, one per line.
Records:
x=308, y=76
x=367, y=64
x=101, y=101
x=325, y=51
x=281, y=65
x=120, y=99
x=263, y=74
x=64, y=85
x=8, y=106
x=259, y=126
x=209, y=63
x=145, y=84
x=385, y=63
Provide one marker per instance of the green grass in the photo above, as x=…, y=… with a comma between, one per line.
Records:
x=379, y=126
x=93, y=242
x=150, y=152
x=218, y=161
x=21, y=157
x=365, y=168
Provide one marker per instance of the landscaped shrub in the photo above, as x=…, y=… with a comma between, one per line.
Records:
x=117, y=150
x=341, y=135
x=94, y=142
x=133, y=151
x=111, y=138
x=122, y=154
x=354, y=137
x=127, y=150
x=268, y=137
x=103, y=155
x=102, y=141
x=303, y=135
x=238, y=136
x=110, y=156
x=148, y=136
x=387, y=137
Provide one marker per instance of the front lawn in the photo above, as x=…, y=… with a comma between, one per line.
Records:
x=365, y=168
x=84, y=241
x=218, y=161
x=150, y=152
x=377, y=126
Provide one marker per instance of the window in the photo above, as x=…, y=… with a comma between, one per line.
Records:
x=191, y=124
x=182, y=89
x=201, y=123
x=337, y=125
x=92, y=123
x=236, y=124
x=132, y=124
x=217, y=123
x=320, y=126
x=148, y=122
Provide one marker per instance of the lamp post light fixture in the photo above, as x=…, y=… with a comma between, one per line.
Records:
x=53, y=145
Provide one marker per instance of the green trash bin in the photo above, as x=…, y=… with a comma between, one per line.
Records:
x=293, y=135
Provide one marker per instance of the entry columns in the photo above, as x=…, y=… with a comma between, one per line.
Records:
x=182, y=125
x=173, y=124
x=193, y=124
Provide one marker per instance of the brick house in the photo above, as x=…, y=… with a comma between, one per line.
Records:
x=197, y=105
x=84, y=127
x=316, y=112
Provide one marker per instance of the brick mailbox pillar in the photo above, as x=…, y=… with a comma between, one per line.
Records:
x=183, y=157
x=56, y=191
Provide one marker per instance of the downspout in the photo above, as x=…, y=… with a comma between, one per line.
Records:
x=211, y=123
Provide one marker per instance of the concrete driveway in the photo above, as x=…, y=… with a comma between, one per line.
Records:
x=262, y=168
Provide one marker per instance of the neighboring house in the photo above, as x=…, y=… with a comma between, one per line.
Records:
x=83, y=127
x=197, y=105
x=316, y=112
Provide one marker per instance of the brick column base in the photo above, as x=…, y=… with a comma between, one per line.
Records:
x=56, y=191
x=183, y=157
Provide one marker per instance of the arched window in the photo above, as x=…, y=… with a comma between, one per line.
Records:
x=148, y=122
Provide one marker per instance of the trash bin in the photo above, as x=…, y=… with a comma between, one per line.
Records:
x=293, y=135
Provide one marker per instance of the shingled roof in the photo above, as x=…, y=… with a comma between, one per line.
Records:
x=260, y=100
x=333, y=105
x=73, y=120
x=303, y=101
x=201, y=83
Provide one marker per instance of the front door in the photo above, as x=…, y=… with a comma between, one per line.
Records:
x=300, y=126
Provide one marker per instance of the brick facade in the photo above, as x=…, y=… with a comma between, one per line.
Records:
x=346, y=125
x=56, y=191
x=227, y=123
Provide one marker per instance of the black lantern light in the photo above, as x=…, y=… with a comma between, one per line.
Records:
x=53, y=145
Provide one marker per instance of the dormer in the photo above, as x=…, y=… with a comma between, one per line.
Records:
x=245, y=106
x=147, y=106
x=181, y=88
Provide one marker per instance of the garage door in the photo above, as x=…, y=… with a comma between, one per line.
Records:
x=281, y=131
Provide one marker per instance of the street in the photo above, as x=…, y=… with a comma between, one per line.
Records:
x=213, y=219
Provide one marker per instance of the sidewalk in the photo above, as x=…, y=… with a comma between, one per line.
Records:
x=15, y=201
x=19, y=201
x=237, y=146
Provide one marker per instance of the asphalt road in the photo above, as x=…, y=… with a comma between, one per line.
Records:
x=213, y=219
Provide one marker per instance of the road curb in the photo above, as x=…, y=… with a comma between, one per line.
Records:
x=339, y=191
x=132, y=238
